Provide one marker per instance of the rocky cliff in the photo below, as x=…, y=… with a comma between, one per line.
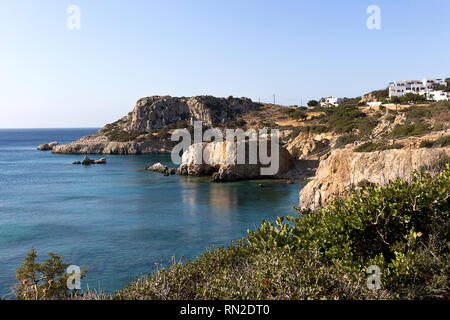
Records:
x=145, y=129
x=310, y=146
x=220, y=162
x=345, y=169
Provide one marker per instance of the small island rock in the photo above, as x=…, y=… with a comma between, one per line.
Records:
x=47, y=146
x=159, y=167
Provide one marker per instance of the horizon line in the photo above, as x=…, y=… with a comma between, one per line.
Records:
x=43, y=128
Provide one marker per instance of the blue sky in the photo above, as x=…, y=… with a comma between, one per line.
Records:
x=51, y=76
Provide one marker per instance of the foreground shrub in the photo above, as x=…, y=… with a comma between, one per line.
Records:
x=402, y=227
x=42, y=281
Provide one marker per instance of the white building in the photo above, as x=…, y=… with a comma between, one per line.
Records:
x=438, y=95
x=400, y=88
x=330, y=102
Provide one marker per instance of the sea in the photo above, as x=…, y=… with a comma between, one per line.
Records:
x=116, y=219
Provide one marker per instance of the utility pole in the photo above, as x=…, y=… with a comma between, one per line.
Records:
x=274, y=98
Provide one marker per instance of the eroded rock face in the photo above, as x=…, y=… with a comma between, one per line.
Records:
x=307, y=146
x=220, y=162
x=385, y=126
x=345, y=169
x=47, y=146
x=154, y=113
x=158, y=112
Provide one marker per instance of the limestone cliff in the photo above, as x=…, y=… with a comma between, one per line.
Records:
x=144, y=130
x=220, y=162
x=345, y=169
x=310, y=146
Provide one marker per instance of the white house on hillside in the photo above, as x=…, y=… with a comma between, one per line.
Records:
x=330, y=102
x=438, y=95
x=400, y=88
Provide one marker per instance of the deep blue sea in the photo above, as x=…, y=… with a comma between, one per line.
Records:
x=117, y=219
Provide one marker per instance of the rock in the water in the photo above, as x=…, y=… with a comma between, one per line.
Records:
x=159, y=167
x=220, y=162
x=47, y=146
x=87, y=161
x=76, y=162
x=345, y=169
x=99, y=161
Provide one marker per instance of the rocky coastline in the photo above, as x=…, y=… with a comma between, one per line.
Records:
x=343, y=156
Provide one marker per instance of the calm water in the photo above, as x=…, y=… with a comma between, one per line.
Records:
x=117, y=219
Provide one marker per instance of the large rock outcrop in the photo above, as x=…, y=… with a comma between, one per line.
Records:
x=345, y=169
x=158, y=112
x=47, y=146
x=144, y=130
x=220, y=162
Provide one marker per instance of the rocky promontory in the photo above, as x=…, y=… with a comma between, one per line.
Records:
x=146, y=129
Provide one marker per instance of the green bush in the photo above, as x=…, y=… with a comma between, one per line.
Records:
x=43, y=281
x=443, y=141
x=345, y=139
x=299, y=114
x=313, y=103
x=426, y=144
x=436, y=110
x=408, y=130
x=377, y=146
x=345, y=119
x=122, y=136
x=402, y=227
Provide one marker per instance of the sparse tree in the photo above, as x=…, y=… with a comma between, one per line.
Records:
x=42, y=281
x=313, y=103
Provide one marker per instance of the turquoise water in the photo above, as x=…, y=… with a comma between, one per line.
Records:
x=117, y=219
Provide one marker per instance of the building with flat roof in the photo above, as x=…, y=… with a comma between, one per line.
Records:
x=330, y=102
x=438, y=95
x=400, y=88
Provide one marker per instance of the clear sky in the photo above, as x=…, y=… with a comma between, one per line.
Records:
x=51, y=76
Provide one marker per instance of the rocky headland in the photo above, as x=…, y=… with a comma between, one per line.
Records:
x=146, y=129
